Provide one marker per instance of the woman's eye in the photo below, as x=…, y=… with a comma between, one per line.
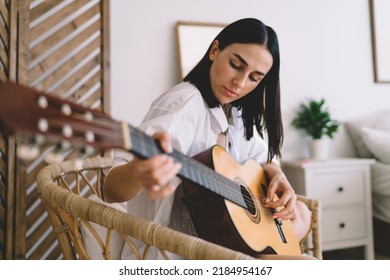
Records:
x=234, y=66
x=253, y=79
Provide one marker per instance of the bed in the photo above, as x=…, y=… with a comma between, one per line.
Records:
x=370, y=135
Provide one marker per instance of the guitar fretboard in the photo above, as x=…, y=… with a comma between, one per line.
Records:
x=145, y=146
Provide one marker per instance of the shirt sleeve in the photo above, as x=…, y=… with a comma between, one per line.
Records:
x=259, y=149
x=175, y=119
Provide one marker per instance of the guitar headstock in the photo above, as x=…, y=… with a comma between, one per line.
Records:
x=26, y=110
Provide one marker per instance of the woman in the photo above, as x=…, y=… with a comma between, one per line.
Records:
x=232, y=90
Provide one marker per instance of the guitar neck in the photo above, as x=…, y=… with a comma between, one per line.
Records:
x=145, y=146
x=28, y=110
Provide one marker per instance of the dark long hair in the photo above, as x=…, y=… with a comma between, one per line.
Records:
x=261, y=107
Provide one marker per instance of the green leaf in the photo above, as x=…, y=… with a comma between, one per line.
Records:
x=315, y=119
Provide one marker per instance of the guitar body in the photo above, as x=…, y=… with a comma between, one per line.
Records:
x=220, y=221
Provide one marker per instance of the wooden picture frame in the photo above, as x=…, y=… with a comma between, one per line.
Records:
x=193, y=40
x=380, y=32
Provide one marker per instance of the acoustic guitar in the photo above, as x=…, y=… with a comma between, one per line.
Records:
x=224, y=197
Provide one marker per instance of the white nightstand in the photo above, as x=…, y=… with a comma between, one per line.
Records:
x=343, y=187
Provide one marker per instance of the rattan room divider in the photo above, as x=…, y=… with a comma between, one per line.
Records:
x=60, y=47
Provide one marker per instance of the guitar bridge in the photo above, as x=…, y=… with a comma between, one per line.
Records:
x=278, y=223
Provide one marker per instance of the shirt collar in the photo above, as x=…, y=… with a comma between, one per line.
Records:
x=219, y=122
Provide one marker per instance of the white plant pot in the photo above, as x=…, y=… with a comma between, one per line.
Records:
x=319, y=148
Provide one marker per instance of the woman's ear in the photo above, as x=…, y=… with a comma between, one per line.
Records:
x=213, y=50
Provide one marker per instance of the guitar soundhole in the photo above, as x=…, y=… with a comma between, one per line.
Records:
x=251, y=205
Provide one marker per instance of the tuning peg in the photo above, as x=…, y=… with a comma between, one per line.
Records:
x=27, y=152
x=66, y=110
x=88, y=116
x=67, y=131
x=30, y=151
x=52, y=157
x=43, y=125
x=90, y=136
x=58, y=154
x=42, y=102
x=65, y=145
x=78, y=164
x=88, y=150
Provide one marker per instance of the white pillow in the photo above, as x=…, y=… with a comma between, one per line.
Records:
x=90, y=243
x=378, y=142
x=377, y=120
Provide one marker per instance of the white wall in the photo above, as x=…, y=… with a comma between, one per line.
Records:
x=325, y=51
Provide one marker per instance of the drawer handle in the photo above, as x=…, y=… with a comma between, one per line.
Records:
x=340, y=189
x=342, y=225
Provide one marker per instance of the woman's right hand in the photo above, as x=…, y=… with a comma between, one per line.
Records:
x=125, y=181
x=156, y=173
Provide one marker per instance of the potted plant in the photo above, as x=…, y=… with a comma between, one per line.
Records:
x=315, y=120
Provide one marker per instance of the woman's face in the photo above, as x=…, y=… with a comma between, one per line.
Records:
x=237, y=70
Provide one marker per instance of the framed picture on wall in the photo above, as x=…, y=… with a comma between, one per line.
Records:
x=193, y=40
x=380, y=30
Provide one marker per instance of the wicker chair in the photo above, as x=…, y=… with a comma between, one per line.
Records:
x=64, y=187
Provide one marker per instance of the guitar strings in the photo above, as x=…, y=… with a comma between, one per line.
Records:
x=194, y=170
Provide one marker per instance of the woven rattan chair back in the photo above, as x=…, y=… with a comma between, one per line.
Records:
x=312, y=243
